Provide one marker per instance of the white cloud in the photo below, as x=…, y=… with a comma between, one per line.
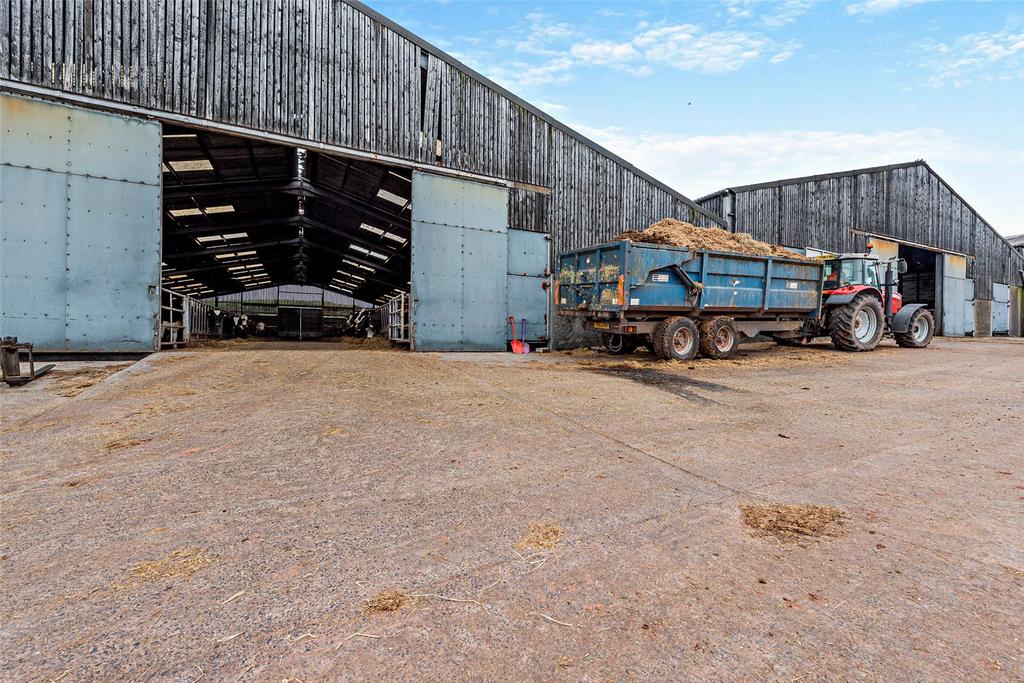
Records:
x=688, y=48
x=786, y=12
x=604, y=52
x=975, y=57
x=698, y=165
x=880, y=6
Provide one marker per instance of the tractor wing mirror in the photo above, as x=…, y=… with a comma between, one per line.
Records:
x=901, y=266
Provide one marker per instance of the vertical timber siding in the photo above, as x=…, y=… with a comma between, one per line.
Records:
x=331, y=72
x=907, y=202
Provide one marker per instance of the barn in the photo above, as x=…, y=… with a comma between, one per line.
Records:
x=958, y=264
x=165, y=152
x=156, y=154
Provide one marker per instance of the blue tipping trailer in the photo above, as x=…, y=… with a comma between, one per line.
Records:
x=678, y=301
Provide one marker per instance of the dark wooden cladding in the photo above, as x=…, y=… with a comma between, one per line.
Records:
x=908, y=202
x=335, y=73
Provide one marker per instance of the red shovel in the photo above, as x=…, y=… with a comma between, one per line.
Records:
x=517, y=346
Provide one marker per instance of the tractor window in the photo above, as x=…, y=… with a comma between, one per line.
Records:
x=871, y=271
x=832, y=274
x=851, y=272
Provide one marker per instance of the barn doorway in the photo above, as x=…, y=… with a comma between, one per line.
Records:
x=919, y=284
x=298, y=242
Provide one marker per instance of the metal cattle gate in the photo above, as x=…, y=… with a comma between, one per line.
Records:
x=80, y=228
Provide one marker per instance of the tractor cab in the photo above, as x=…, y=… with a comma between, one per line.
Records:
x=849, y=274
x=849, y=270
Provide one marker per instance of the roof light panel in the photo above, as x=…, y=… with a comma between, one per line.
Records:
x=190, y=165
x=391, y=197
x=178, y=213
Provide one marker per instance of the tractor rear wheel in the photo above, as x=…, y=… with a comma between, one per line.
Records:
x=858, y=325
x=679, y=339
x=718, y=338
x=618, y=344
x=920, y=332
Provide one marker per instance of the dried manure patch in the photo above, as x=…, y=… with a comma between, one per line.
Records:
x=792, y=522
x=541, y=536
x=387, y=601
x=179, y=564
x=70, y=383
x=670, y=232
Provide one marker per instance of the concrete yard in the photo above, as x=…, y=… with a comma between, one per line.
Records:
x=225, y=514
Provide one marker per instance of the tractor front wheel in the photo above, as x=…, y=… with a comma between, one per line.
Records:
x=718, y=338
x=858, y=325
x=679, y=339
x=920, y=332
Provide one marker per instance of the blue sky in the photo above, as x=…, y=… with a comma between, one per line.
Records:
x=704, y=95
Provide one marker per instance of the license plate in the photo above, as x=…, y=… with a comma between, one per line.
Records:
x=602, y=326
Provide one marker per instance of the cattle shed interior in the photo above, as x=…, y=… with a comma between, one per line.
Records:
x=243, y=214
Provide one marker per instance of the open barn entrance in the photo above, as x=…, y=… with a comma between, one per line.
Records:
x=919, y=283
x=296, y=240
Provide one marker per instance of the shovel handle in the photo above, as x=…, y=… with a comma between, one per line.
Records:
x=512, y=322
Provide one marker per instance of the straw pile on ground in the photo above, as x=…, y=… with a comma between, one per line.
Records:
x=671, y=232
x=791, y=522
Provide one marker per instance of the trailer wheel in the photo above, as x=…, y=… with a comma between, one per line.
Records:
x=680, y=339
x=618, y=344
x=718, y=338
x=857, y=326
x=920, y=332
x=656, y=338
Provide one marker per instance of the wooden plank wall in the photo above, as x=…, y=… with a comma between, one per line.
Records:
x=323, y=71
x=908, y=203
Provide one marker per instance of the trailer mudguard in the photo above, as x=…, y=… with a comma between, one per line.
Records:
x=901, y=321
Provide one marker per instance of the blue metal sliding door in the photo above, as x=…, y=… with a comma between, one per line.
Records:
x=459, y=263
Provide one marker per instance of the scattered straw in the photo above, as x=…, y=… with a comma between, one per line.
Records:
x=227, y=600
x=551, y=619
x=178, y=564
x=387, y=601
x=543, y=535
x=790, y=522
x=121, y=444
x=353, y=635
x=228, y=639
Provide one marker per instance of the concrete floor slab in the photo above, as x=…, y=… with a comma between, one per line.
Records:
x=277, y=487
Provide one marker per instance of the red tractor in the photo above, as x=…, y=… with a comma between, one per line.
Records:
x=861, y=305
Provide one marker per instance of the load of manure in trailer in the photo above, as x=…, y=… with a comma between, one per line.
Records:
x=671, y=232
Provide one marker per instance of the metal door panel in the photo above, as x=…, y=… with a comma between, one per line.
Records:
x=35, y=134
x=528, y=261
x=483, y=297
x=437, y=286
x=32, y=253
x=1000, y=308
x=80, y=263
x=459, y=257
x=969, y=306
x=954, y=307
x=113, y=264
x=459, y=203
x=114, y=147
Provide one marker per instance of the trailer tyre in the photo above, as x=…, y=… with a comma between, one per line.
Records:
x=679, y=339
x=920, y=332
x=656, y=337
x=618, y=344
x=858, y=325
x=718, y=338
